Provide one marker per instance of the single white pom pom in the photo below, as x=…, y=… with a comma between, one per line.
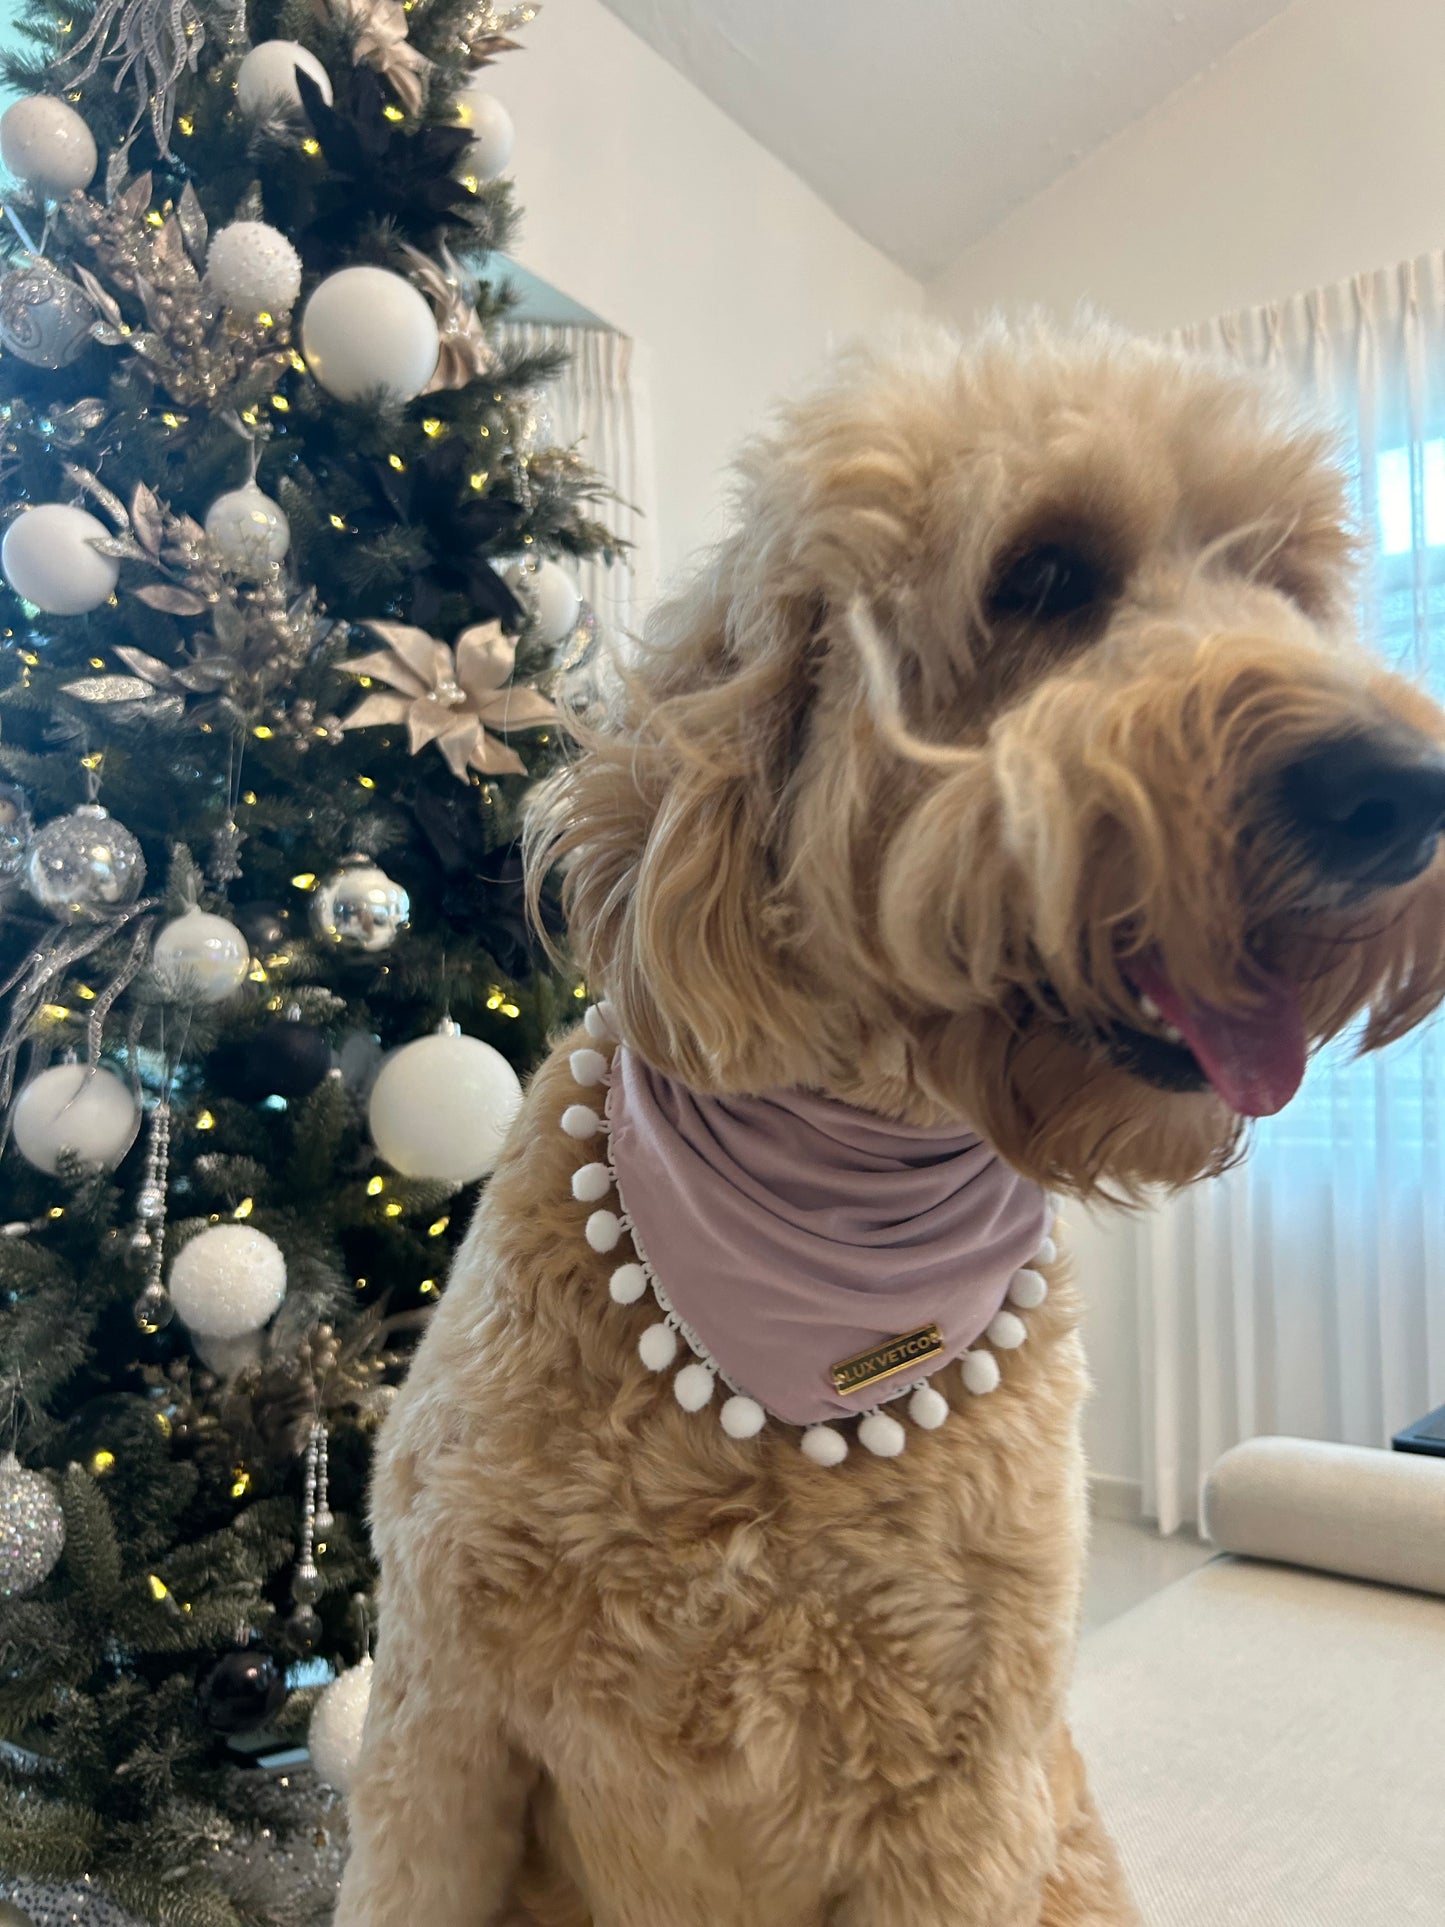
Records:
x=591, y=1182
x=1047, y=1253
x=928, y=1408
x=693, y=1387
x=657, y=1347
x=598, y=1024
x=627, y=1285
x=824, y=1445
x=1028, y=1290
x=604, y=1228
x=1007, y=1331
x=980, y=1372
x=580, y=1120
x=742, y=1418
x=589, y=1066
x=882, y=1435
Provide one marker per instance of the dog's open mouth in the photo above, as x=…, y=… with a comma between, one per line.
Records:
x=1253, y=1057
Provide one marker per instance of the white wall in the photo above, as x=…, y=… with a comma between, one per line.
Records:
x=1314, y=150
x=648, y=205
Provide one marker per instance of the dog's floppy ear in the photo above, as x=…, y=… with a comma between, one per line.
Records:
x=669, y=825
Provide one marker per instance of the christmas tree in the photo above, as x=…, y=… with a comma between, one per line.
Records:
x=281, y=617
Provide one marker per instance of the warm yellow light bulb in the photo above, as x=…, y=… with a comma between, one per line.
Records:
x=435, y=1229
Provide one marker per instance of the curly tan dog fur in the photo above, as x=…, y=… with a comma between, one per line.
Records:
x=989, y=694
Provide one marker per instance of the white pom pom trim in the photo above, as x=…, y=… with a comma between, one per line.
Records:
x=742, y=1418
x=1047, y=1253
x=824, y=1445
x=981, y=1373
x=604, y=1229
x=928, y=1408
x=589, y=1066
x=596, y=1025
x=881, y=1435
x=1028, y=1290
x=657, y=1347
x=627, y=1284
x=591, y=1182
x=1007, y=1331
x=693, y=1387
x=580, y=1120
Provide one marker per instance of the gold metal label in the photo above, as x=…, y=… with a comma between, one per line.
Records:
x=894, y=1355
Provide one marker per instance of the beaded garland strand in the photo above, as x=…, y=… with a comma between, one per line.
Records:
x=696, y=1381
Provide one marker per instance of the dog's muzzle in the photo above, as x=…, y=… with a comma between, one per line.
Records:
x=1368, y=809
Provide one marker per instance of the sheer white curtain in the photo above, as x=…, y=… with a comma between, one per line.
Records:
x=1305, y=1293
x=599, y=405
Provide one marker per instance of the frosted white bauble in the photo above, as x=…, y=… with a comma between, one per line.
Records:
x=441, y=1107
x=73, y=1108
x=365, y=329
x=228, y=1281
x=45, y=143
x=200, y=957
x=248, y=531
x=47, y=558
x=493, y=135
x=337, y=1721
x=226, y=1357
x=254, y=268
x=549, y=595
x=266, y=78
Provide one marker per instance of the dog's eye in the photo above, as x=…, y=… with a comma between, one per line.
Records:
x=1045, y=583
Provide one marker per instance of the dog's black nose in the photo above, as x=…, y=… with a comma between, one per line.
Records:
x=1369, y=809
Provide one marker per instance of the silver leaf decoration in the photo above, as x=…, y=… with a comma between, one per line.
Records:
x=150, y=43
x=110, y=689
x=82, y=478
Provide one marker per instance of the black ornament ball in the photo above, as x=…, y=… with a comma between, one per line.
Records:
x=242, y=1691
x=264, y=924
x=282, y=1059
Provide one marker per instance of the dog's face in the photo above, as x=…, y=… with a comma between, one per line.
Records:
x=1016, y=759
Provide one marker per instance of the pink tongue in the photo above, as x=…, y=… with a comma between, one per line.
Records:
x=1254, y=1058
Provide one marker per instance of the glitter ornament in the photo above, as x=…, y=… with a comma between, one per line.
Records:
x=70, y=1107
x=43, y=1903
x=550, y=597
x=266, y=78
x=366, y=331
x=32, y=1528
x=15, y=832
x=80, y=867
x=45, y=319
x=490, y=125
x=442, y=1106
x=360, y=907
x=45, y=144
x=228, y=1282
x=48, y=558
x=254, y=269
x=248, y=531
x=337, y=1723
x=199, y=958
x=242, y=1691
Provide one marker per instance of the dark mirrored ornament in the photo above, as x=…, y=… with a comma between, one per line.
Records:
x=242, y=1691
x=45, y=319
x=281, y=1059
x=264, y=924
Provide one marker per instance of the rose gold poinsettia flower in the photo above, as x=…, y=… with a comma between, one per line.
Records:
x=450, y=696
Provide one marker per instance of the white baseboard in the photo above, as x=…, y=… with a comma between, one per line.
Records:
x=1115, y=1498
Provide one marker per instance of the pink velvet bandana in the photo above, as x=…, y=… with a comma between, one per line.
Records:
x=785, y=1234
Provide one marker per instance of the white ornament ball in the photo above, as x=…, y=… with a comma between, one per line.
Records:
x=366, y=330
x=1007, y=1331
x=441, y=1107
x=928, y=1408
x=47, y=557
x=493, y=135
x=254, y=268
x=549, y=595
x=32, y=1528
x=981, y=1373
x=266, y=78
x=693, y=1387
x=882, y=1435
x=742, y=1418
x=200, y=958
x=226, y=1356
x=45, y=143
x=337, y=1722
x=824, y=1445
x=248, y=531
x=73, y=1108
x=228, y=1281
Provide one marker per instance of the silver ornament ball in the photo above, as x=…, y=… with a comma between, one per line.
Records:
x=45, y=319
x=82, y=866
x=32, y=1528
x=75, y=1903
x=200, y=958
x=254, y=268
x=360, y=907
x=153, y=1310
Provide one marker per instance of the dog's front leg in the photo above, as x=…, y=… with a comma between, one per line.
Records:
x=437, y=1808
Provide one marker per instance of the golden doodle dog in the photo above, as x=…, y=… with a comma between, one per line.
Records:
x=1005, y=812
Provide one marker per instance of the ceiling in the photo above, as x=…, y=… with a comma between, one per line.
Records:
x=923, y=122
